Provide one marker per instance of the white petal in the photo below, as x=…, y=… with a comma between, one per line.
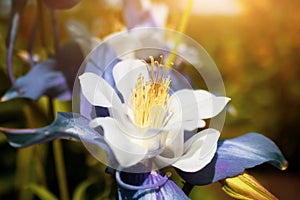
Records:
x=125, y=121
x=210, y=105
x=127, y=153
x=97, y=91
x=173, y=149
x=176, y=122
x=129, y=112
x=174, y=142
x=199, y=151
x=190, y=125
x=125, y=75
x=194, y=105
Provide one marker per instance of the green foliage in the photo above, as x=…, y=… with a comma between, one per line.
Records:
x=41, y=192
x=80, y=191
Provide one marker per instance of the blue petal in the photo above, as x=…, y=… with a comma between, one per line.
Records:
x=101, y=61
x=148, y=186
x=41, y=80
x=234, y=156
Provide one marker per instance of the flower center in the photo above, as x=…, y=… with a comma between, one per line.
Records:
x=150, y=99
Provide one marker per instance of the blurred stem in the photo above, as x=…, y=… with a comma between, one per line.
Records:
x=11, y=42
x=55, y=29
x=181, y=29
x=57, y=146
x=16, y=12
x=59, y=159
x=51, y=109
x=60, y=170
x=32, y=39
x=26, y=166
x=23, y=175
x=41, y=11
x=187, y=188
x=40, y=166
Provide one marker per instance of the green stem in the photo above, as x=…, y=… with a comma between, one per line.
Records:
x=40, y=166
x=41, y=12
x=60, y=170
x=32, y=38
x=23, y=176
x=55, y=29
x=59, y=159
x=57, y=146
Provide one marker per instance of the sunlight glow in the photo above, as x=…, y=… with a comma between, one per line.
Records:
x=216, y=7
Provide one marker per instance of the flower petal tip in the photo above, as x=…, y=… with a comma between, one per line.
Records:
x=3, y=99
x=85, y=75
x=284, y=165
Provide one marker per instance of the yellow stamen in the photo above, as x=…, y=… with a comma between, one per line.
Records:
x=150, y=99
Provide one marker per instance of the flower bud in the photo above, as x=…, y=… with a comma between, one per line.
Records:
x=245, y=186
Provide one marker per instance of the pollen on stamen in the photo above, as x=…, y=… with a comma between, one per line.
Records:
x=150, y=99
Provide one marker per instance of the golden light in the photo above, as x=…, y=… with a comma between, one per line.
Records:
x=216, y=7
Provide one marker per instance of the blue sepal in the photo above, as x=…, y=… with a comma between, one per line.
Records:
x=144, y=186
x=233, y=156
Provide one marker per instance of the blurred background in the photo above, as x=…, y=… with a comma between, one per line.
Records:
x=255, y=44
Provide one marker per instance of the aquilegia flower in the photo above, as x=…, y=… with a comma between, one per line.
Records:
x=151, y=124
x=148, y=120
x=146, y=123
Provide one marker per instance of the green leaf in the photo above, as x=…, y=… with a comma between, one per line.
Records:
x=42, y=192
x=80, y=190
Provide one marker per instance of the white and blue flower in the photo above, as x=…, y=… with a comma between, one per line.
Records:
x=150, y=122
